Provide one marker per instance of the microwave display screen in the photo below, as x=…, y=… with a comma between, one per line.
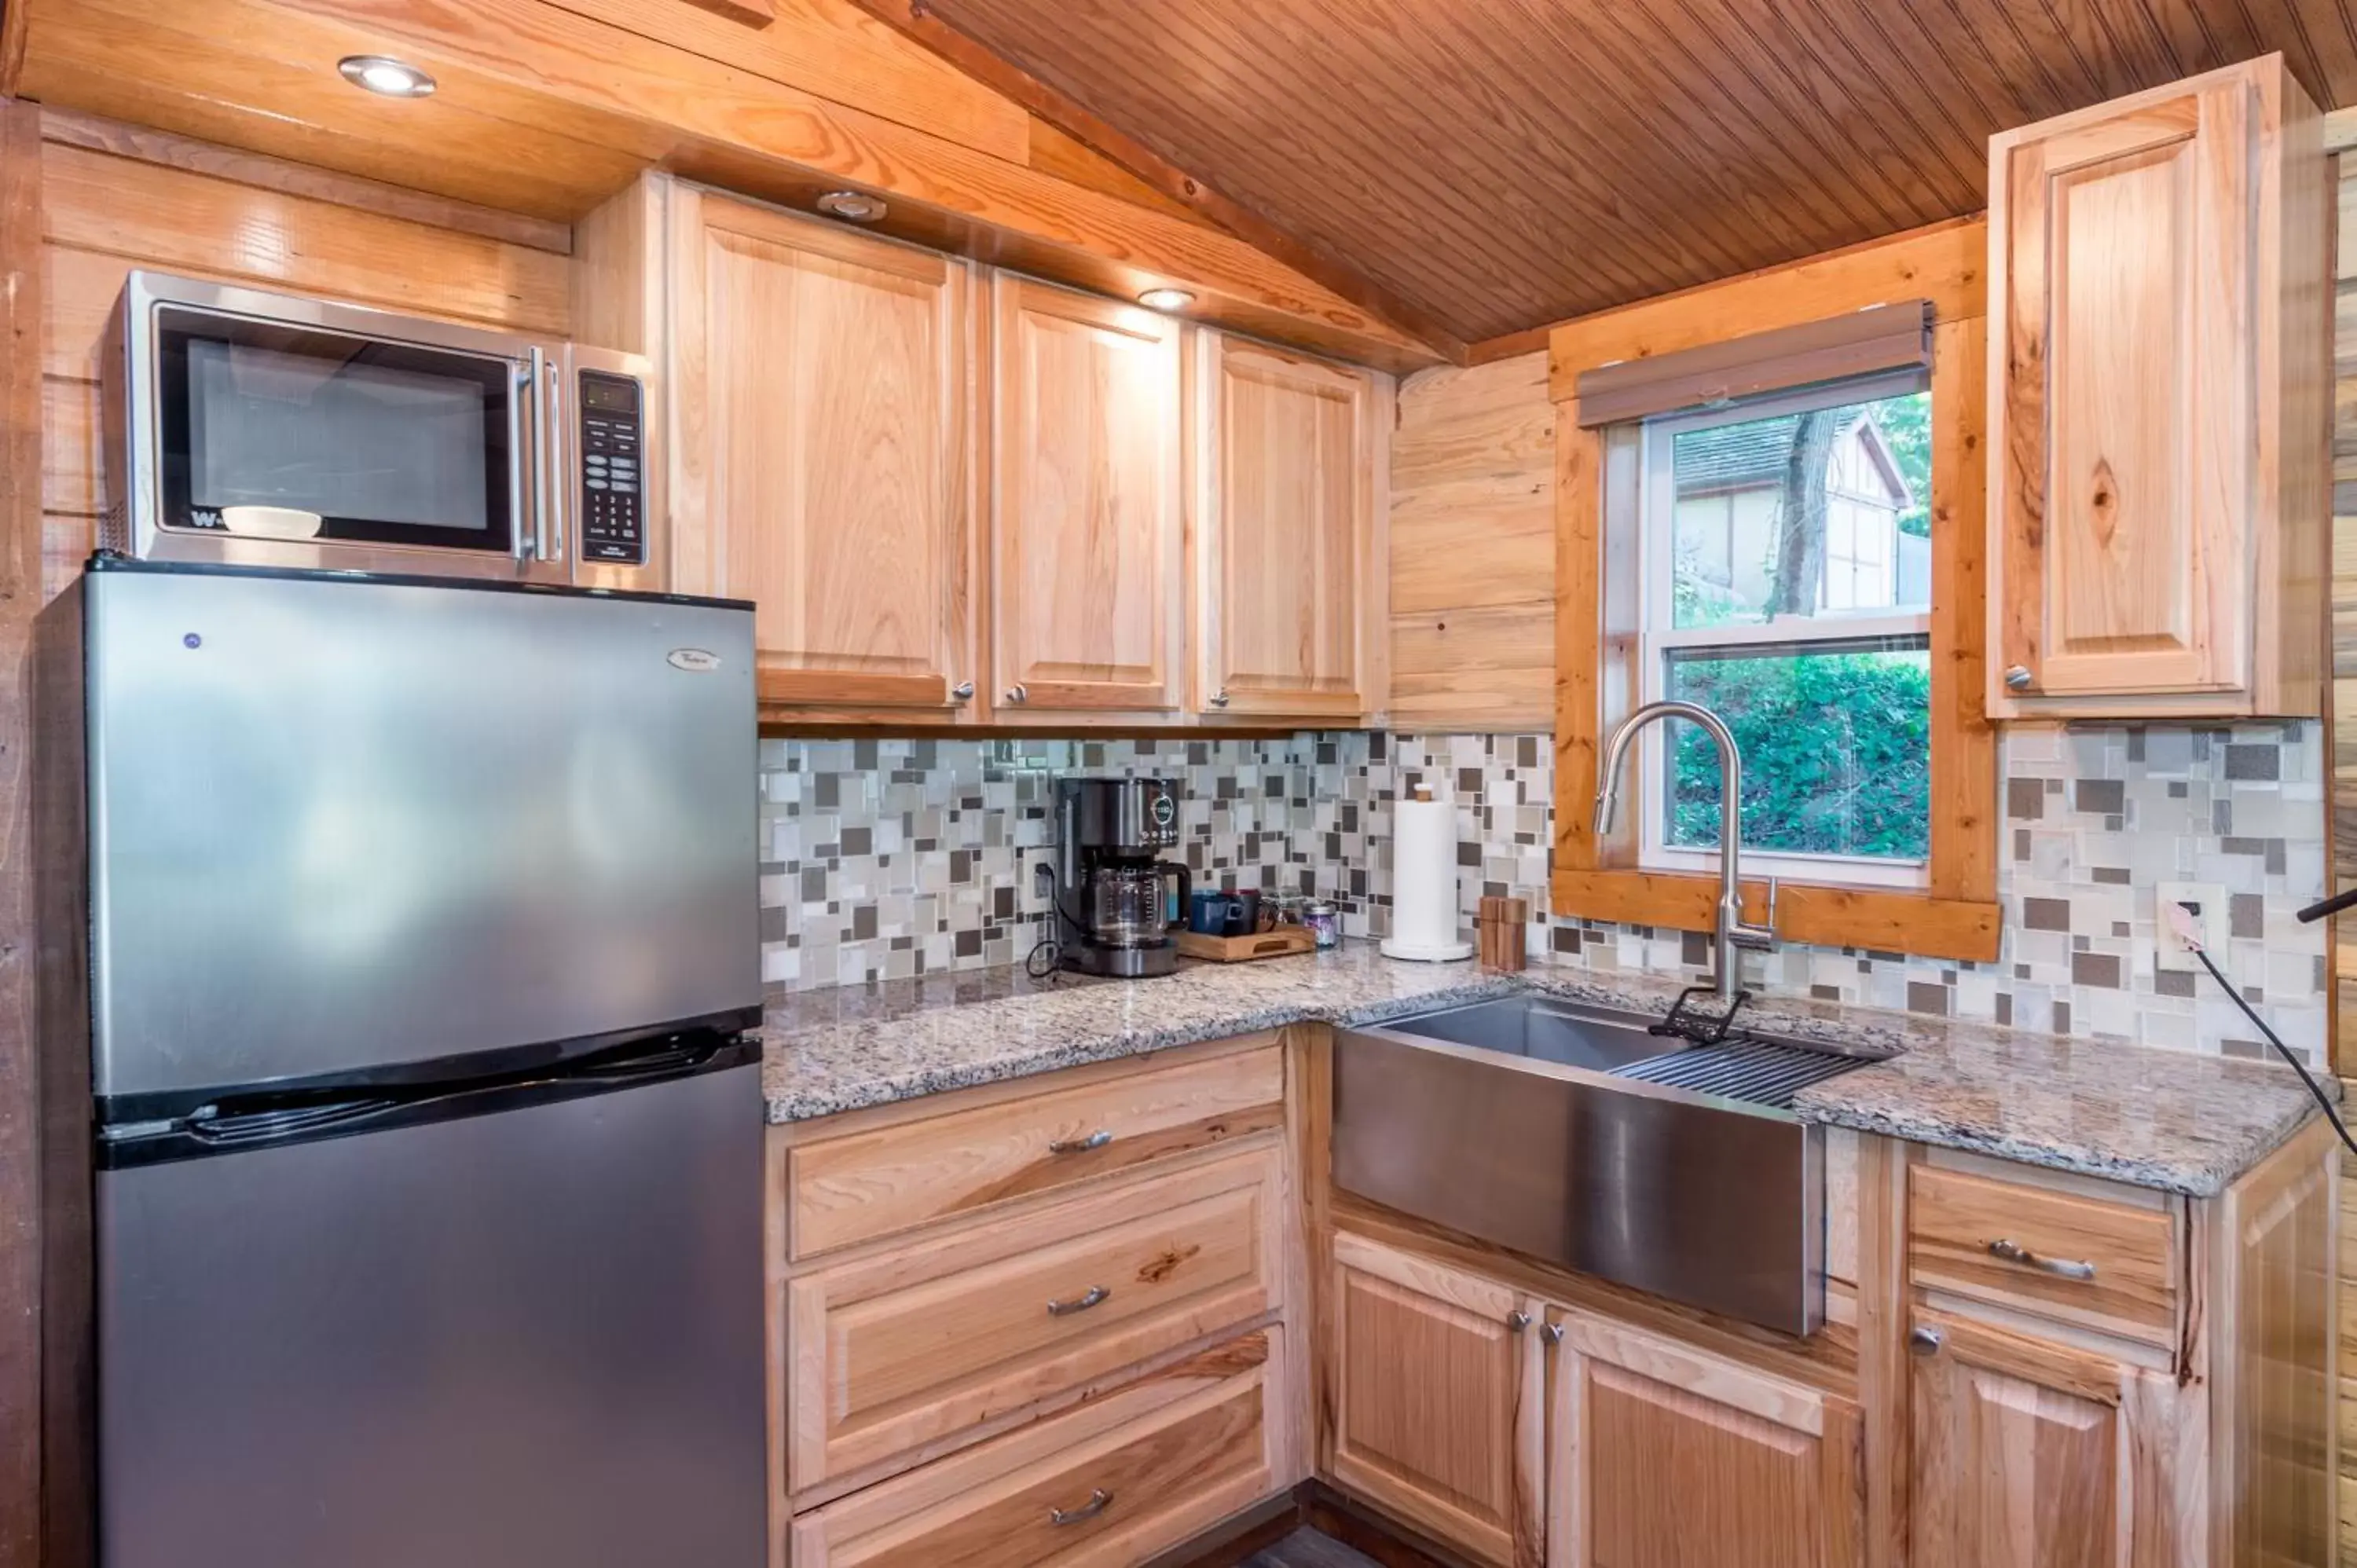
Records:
x=388, y=443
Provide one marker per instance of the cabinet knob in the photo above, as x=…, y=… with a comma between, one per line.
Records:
x=1219, y=698
x=962, y=692
x=1518, y=1321
x=2018, y=677
x=1925, y=1341
x=1552, y=1333
x=1018, y=694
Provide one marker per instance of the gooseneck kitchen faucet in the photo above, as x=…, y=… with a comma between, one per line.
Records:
x=1734, y=933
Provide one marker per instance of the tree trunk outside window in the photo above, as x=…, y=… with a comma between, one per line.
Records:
x=1801, y=538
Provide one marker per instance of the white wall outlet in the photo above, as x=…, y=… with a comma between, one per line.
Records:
x=2208, y=902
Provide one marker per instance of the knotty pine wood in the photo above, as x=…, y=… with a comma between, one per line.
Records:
x=1658, y=1453
x=1288, y=531
x=549, y=107
x=1087, y=540
x=22, y=276
x=103, y=213
x=850, y=523
x=1954, y=1216
x=897, y=1349
x=1437, y=1401
x=1472, y=549
x=860, y=1186
x=1178, y=1450
x=2157, y=550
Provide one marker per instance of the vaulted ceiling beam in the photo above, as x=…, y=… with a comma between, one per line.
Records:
x=916, y=20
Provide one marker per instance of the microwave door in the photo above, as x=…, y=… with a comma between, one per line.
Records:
x=386, y=443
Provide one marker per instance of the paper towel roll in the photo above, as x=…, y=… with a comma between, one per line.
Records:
x=1425, y=919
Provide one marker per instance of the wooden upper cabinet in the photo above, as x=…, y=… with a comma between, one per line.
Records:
x=2159, y=400
x=1435, y=1402
x=1087, y=519
x=1291, y=618
x=823, y=456
x=1662, y=1455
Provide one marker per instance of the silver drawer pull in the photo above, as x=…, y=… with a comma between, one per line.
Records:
x=1923, y=1341
x=1096, y=1140
x=2014, y=1252
x=1099, y=1500
x=1081, y=1302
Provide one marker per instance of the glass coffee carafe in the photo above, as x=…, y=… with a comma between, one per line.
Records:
x=1129, y=905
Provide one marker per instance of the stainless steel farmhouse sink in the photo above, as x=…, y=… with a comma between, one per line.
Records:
x=1572, y=1133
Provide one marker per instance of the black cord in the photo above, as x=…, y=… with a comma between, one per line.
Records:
x=2297, y=1066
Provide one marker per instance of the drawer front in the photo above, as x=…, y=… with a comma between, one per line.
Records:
x=2103, y=1265
x=867, y=1185
x=895, y=1351
x=1106, y=1485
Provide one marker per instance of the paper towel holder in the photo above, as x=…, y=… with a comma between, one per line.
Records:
x=1422, y=953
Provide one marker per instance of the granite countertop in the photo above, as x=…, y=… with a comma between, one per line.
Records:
x=2169, y=1120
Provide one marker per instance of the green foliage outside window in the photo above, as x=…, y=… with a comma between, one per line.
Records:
x=1837, y=752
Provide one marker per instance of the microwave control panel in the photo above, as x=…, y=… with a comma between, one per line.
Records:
x=612, y=486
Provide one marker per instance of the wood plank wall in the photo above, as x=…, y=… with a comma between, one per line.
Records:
x=1472, y=549
x=103, y=214
x=2344, y=798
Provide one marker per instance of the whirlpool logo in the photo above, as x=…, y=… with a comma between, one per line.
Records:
x=695, y=660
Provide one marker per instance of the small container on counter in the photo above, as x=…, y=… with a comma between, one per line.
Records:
x=1505, y=930
x=1325, y=922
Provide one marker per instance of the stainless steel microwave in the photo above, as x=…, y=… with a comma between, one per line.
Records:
x=270, y=429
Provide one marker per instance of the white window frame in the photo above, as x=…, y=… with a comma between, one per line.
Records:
x=1656, y=510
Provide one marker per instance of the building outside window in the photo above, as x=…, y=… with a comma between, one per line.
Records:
x=1785, y=567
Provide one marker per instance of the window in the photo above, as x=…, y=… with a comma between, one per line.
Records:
x=1783, y=560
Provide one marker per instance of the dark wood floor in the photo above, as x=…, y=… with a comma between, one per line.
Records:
x=1308, y=1549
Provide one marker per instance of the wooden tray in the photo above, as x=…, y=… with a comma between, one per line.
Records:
x=1282, y=942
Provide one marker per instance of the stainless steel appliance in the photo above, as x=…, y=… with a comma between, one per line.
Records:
x=409, y=1098
x=1114, y=912
x=1574, y=1135
x=274, y=430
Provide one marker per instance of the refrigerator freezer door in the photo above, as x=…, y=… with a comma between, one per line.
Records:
x=342, y=824
x=530, y=1340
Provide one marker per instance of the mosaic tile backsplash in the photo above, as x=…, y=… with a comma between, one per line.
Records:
x=893, y=857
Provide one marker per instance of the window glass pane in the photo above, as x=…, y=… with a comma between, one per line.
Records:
x=1847, y=475
x=1835, y=740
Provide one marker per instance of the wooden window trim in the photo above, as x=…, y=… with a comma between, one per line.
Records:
x=1955, y=914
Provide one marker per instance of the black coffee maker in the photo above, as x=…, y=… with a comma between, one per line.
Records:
x=1114, y=914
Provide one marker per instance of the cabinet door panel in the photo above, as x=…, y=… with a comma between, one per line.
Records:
x=824, y=453
x=2127, y=477
x=1289, y=584
x=1436, y=1400
x=1665, y=1455
x=2017, y=1453
x=1086, y=543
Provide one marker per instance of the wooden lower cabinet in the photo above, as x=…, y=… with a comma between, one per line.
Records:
x=1435, y=1393
x=2017, y=1451
x=1105, y=1485
x=905, y=1348
x=1661, y=1456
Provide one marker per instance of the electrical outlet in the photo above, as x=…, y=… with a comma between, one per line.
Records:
x=2207, y=900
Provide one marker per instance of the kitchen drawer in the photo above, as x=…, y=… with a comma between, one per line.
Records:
x=889, y=1352
x=2100, y=1264
x=869, y=1184
x=1105, y=1485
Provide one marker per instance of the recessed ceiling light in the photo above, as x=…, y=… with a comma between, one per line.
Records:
x=1165, y=299
x=852, y=206
x=382, y=74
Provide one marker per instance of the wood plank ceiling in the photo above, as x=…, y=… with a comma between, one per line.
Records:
x=1501, y=163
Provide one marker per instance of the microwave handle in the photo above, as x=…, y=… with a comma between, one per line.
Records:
x=540, y=382
x=549, y=526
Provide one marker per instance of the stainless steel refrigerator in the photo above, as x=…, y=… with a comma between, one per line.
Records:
x=411, y=954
